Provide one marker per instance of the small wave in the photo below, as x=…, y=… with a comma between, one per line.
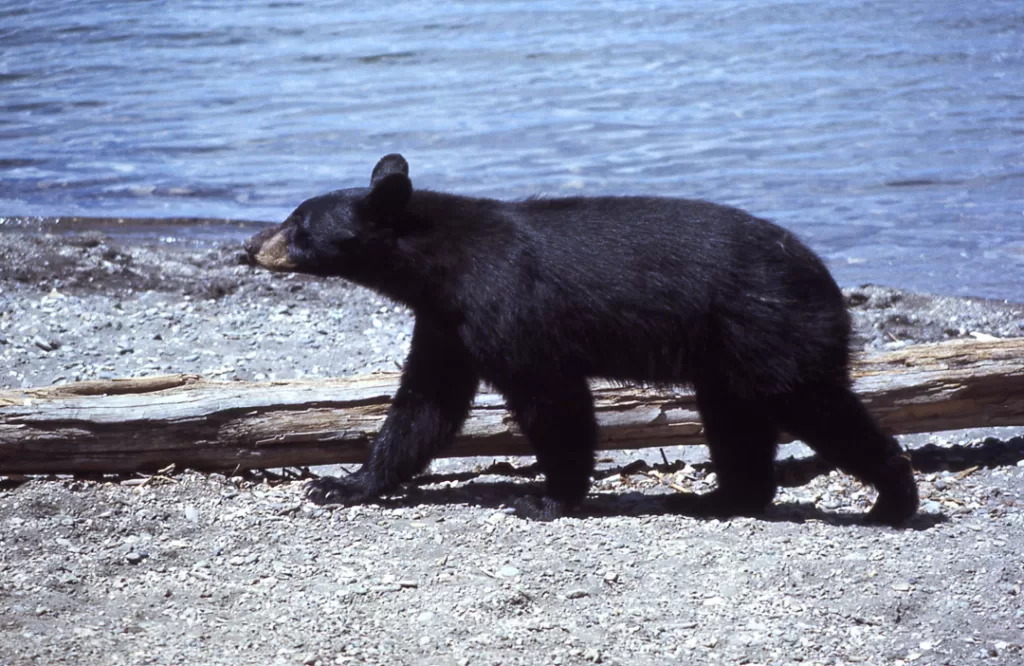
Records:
x=921, y=182
x=386, y=57
x=17, y=162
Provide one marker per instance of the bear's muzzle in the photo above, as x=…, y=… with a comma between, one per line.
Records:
x=269, y=249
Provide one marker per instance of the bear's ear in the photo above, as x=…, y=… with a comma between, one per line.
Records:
x=389, y=164
x=389, y=196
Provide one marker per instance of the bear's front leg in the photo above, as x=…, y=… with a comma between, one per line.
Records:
x=557, y=415
x=432, y=402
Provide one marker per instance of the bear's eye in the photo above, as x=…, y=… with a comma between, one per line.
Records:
x=301, y=237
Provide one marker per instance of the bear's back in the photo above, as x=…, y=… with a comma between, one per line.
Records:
x=646, y=288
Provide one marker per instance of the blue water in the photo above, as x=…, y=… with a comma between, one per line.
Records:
x=889, y=135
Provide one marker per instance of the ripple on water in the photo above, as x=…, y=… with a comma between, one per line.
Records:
x=889, y=136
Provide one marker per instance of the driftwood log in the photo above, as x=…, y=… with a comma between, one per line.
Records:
x=144, y=424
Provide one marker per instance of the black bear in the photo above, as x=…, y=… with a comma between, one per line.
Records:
x=537, y=296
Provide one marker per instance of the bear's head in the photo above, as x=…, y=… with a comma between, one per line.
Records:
x=341, y=233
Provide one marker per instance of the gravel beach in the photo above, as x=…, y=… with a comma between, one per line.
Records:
x=193, y=568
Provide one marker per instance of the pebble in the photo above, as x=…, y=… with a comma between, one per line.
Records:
x=43, y=344
x=134, y=557
x=508, y=571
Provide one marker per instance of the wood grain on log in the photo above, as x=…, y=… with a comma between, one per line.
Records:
x=144, y=424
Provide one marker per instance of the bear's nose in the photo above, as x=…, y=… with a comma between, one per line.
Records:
x=252, y=247
x=256, y=241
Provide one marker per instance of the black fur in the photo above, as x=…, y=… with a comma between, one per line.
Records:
x=537, y=296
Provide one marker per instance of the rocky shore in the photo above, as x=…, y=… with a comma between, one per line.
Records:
x=83, y=306
x=214, y=569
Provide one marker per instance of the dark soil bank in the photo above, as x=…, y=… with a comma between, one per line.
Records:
x=205, y=569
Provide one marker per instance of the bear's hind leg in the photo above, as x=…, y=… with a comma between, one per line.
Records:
x=558, y=419
x=832, y=420
x=741, y=437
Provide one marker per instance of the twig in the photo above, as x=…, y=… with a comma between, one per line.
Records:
x=670, y=483
x=967, y=472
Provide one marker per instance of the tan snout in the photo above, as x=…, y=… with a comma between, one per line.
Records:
x=269, y=249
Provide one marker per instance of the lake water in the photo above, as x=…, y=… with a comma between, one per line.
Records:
x=889, y=135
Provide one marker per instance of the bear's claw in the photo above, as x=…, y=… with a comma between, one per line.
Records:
x=897, y=493
x=332, y=490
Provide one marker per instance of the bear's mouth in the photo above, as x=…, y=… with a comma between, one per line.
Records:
x=269, y=249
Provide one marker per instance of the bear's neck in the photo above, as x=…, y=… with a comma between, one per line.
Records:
x=413, y=275
x=447, y=241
